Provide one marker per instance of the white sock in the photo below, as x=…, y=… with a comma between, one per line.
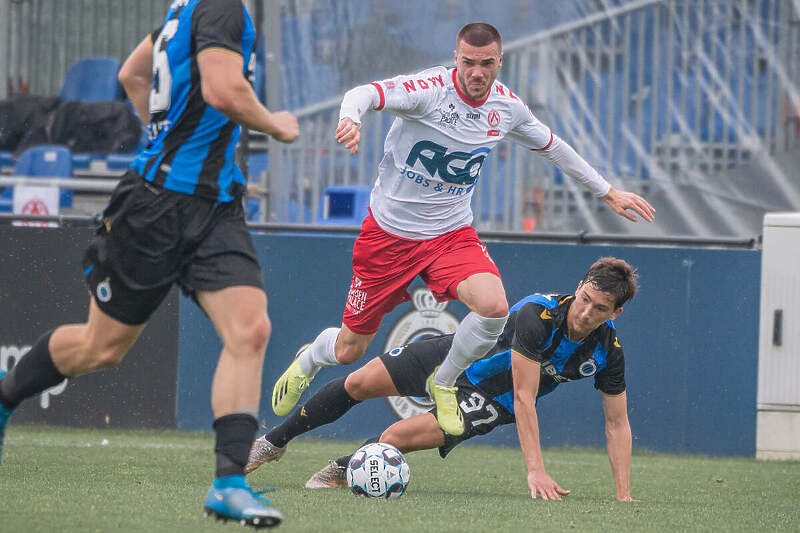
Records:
x=321, y=353
x=474, y=337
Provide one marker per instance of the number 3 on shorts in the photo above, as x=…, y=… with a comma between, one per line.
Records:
x=476, y=402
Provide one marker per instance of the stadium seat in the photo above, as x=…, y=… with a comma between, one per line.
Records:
x=121, y=161
x=92, y=79
x=47, y=161
x=344, y=205
x=83, y=161
x=6, y=159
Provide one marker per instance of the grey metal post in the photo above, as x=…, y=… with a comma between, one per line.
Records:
x=271, y=25
x=5, y=49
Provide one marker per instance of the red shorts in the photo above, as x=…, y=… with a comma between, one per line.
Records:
x=384, y=265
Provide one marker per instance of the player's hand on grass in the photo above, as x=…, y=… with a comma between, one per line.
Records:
x=348, y=132
x=622, y=201
x=285, y=127
x=542, y=484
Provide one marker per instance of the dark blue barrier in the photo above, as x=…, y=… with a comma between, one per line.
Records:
x=690, y=339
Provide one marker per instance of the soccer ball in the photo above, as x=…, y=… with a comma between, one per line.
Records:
x=378, y=470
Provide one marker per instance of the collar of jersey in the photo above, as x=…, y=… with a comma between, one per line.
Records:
x=467, y=100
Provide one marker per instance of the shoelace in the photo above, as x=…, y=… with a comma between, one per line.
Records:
x=257, y=494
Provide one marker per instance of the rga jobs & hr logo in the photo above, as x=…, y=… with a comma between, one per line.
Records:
x=428, y=318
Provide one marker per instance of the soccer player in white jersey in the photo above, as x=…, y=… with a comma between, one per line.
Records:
x=447, y=121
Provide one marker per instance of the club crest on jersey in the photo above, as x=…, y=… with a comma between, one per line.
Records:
x=587, y=368
x=428, y=318
x=453, y=167
x=493, y=117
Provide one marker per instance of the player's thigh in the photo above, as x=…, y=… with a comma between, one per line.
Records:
x=101, y=342
x=370, y=381
x=105, y=331
x=484, y=294
x=239, y=314
x=136, y=253
x=224, y=278
x=460, y=256
x=420, y=432
x=410, y=366
x=383, y=267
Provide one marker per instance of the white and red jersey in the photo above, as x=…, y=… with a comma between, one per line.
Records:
x=438, y=143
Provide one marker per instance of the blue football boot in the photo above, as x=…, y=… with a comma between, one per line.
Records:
x=5, y=414
x=231, y=498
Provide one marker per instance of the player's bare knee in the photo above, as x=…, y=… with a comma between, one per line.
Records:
x=250, y=337
x=391, y=436
x=493, y=308
x=358, y=385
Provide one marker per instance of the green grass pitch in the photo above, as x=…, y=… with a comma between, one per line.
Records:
x=55, y=479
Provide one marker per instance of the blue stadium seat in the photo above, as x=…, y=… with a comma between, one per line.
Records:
x=83, y=161
x=6, y=159
x=92, y=79
x=344, y=205
x=122, y=161
x=50, y=161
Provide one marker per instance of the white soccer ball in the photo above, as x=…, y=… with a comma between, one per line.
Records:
x=378, y=470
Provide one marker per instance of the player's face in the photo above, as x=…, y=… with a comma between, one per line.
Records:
x=477, y=68
x=590, y=309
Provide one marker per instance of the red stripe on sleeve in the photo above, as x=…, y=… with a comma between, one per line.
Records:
x=380, y=93
x=546, y=146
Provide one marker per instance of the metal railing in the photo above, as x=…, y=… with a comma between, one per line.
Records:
x=659, y=96
x=663, y=97
x=487, y=236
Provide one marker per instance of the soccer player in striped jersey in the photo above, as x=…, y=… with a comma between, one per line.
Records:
x=447, y=121
x=548, y=340
x=177, y=217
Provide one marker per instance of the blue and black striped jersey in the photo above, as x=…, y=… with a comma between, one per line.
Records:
x=191, y=148
x=537, y=329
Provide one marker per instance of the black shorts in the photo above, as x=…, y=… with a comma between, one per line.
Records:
x=151, y=237
x=409, y=367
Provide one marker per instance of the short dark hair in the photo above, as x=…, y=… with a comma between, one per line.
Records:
x=614, y=276
x=479, y=34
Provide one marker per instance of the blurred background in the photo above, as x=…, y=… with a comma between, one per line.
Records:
x=692, y=103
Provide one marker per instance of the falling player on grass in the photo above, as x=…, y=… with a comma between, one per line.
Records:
x=547, y=340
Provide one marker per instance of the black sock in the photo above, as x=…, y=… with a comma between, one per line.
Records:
x=32, y=374
x=330, y=403
x=235, y=435
x=344, y=460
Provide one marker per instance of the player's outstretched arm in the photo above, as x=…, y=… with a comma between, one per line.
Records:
x=225, y=89
x=562, y=155
x=619, y=443
x=136, y=76
x=526, y=386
